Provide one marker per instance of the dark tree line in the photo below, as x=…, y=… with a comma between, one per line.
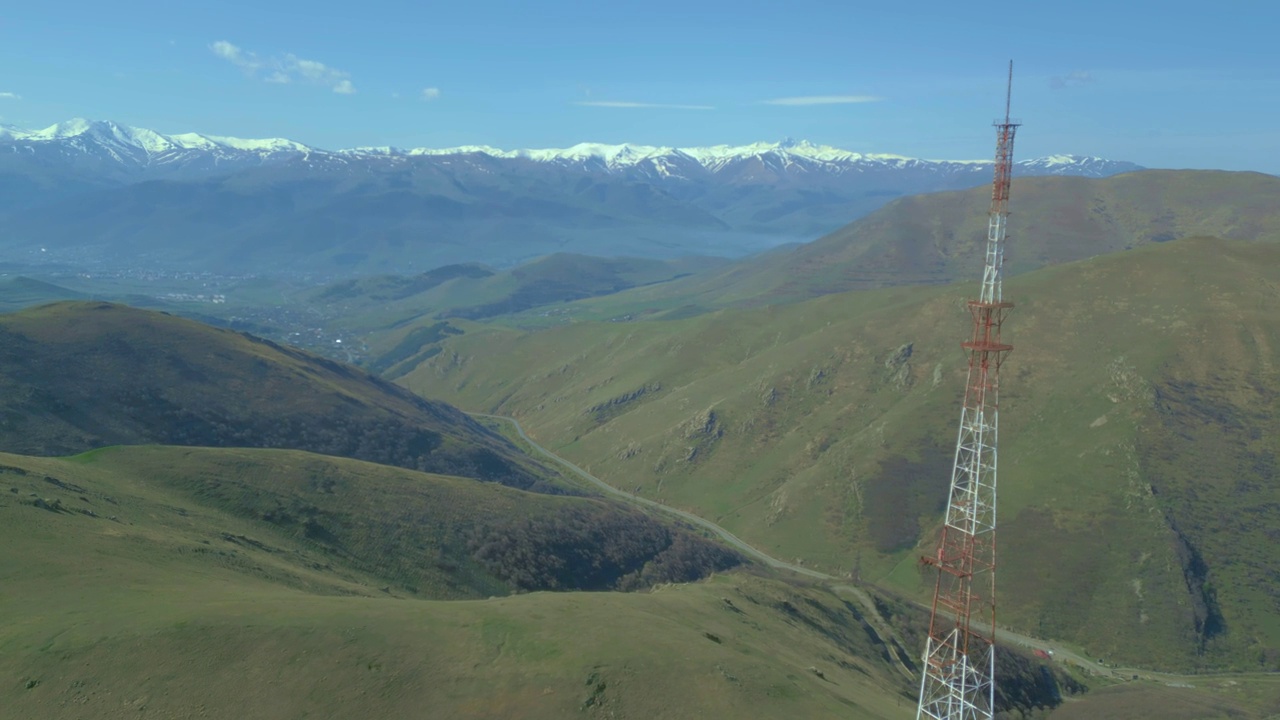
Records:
x=596, y=548
x=387, y=440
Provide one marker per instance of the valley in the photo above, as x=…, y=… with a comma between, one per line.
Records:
x=733, y=462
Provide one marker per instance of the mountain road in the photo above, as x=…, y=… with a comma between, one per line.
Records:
x=1058, y=651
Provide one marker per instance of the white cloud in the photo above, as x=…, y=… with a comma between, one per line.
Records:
x=431, y=93
x=284, y=68
x=824, y=100
x=1071, y=79
x=10, y=96
x=234, y=55
x=622, y=104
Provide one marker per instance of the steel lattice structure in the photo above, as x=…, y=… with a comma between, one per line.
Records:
x=959, y=656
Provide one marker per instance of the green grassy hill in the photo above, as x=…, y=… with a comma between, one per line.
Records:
x=147, y=582
x=174, y=582
x=939, y=238
x=1138, y=440
x=333, y=525
x=404, y=318
x=564, y=277
x=19, y=292
x=378, y=289
x=77, y=375
x=473, y=292
x=152, y=581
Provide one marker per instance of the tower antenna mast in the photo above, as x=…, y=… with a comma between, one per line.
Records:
x=959, y=658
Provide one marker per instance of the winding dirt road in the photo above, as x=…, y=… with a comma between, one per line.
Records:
x=1060, y=653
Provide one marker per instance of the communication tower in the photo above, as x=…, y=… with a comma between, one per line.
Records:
x=959, y=657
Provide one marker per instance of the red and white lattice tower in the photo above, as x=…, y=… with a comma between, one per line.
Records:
x=959, y=657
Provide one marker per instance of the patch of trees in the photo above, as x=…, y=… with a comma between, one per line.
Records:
x=386, y=440
x=900, y=492
x=1206, y=615
x=595, y=547
x=1026, y=688
x=456, y=544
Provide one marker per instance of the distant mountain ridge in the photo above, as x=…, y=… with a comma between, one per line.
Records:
x=125, y=151
x=93, y=194
x=148, y=147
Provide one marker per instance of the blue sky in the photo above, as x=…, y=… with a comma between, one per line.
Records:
x=1182, y=86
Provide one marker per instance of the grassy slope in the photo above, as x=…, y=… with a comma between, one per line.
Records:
x=804, y=429
x=170, y=602
x=290, y=516
x=80, y=375
x=383, y=302
x=1210, y=699
x=938, y=238
x=562, y=277
x=19, y=292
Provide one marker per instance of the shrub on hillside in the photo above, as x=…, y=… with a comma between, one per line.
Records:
x=596, y=548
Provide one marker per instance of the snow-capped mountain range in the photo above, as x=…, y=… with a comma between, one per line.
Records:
x=124, y=153
x=140, y=149
x=96, y=193
x=81, y=132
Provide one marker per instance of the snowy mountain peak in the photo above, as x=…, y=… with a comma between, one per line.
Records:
x=462, y=150
x=70, y=128
x=149, y=141
x=9, y=132
x=611, y=155
x=140, y=148
x=263, y=145
x=384, y=150
x=617, y=156
x=1061, y=159
x=1076, y=165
